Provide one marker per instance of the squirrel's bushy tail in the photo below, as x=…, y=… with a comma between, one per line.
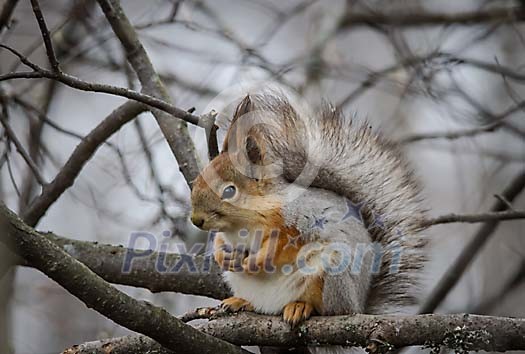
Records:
x=351, y=160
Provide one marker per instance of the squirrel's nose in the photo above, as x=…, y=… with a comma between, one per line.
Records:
x=197, y=220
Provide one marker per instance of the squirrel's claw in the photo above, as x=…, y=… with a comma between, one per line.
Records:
x=296, y=312
x=236, y=304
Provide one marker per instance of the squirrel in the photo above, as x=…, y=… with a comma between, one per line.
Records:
x=312, y=213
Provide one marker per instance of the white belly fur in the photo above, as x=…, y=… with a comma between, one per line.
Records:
x=268, y=293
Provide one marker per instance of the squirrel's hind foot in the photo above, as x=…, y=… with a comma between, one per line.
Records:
x=296, y=312
x=236, y=304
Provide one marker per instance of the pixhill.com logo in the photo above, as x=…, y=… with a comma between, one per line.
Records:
x=331, y=257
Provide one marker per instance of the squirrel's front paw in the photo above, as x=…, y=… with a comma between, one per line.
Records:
x=298, y=311
x=235, y=304
x=252, y=264
x=228, y=258
x=258, y=262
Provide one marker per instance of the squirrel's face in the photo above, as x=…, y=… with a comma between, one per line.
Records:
x=226, y=200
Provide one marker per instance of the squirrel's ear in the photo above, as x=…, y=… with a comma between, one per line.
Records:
x=254, y=151
x=245, y=106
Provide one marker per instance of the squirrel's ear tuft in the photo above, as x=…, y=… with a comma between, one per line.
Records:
x=244, y=107
x=254, y=150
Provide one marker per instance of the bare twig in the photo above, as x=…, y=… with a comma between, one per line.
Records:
x=151, y=162
x=45, y=35
x=373, y=78
x=440, y=60
x=36, y=128
x=167, y=77
x=79, y=84
x=12, y=176
x=175, y=132
x=451, y=135
x=208, y=123
x=21, y=150
x=474, y=218
x=504, y=201
x=30, y=109
x=147, y=153
x=456, y=270
x=63, y=40
x=506, y=72
x=82, y=153
x=6, y=13
x=406, y=19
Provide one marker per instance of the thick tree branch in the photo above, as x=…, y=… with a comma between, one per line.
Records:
x=460, y=332
x=406, y=19
x=377, y=333
x=187, y=274
x=456, y=270
x=139, y=316
x=138, y=344
x=175, y=131
x=155, y=271
x=122, y=345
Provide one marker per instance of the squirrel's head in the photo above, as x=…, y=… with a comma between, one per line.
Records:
x=234, y=191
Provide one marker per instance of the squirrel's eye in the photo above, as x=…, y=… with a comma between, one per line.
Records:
x=229, y=192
